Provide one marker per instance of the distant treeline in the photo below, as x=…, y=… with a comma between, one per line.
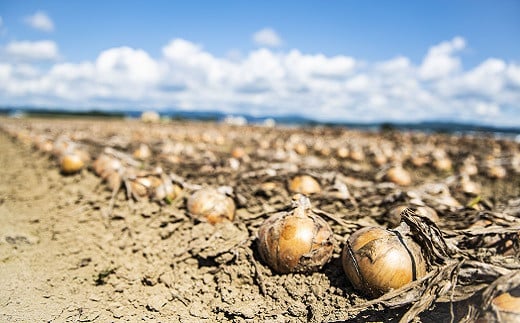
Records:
x=293, y=120
x=45, y=113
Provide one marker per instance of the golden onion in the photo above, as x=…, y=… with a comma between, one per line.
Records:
x=377, y=260
x=211, y=205
x=304, y=184
x=295, y=241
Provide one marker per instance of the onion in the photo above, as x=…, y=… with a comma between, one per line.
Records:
x=342, y=152
x=211, y=205
x=357, y=154
x=508, y=306
x=106, y=165
x=443, y=164
x=238, y=152
x=304, y=184
x=377, y=260
x=143, y=152
x=300, y=148
x=295, y=241
x=496, y=172
x=504, y=308
x=71, y=163
x=165, y=190
x=399, y=176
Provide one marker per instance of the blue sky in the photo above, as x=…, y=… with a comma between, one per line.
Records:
x=348, y=60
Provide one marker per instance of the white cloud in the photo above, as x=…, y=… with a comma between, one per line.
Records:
x=513, y=74
x=393, y=66
x=487, y=109
x=264, y=81
x=41, y=21
x=267, y=37
x=126, y=65
x=487, y=79
x=5, y=73
x=360, y=83
x=28, y=50
x=305, y=66
x=440, y=61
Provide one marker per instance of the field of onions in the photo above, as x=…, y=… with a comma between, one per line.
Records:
x=201, y=221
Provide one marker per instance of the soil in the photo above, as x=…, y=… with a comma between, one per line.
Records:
x=66, y=255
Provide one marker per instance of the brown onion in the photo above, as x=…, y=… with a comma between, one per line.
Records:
x=238, y=152
x=442, y=164
x=399, y=176
x=342, y=152
x=143, y=152
x=419, y=160
x=165, y=190
x=142, y=186
x=468, y=186
x=71, y=163
x=377, y=260
x=304, y=184
x=211, y=205
x=300, y=148
x=504, y=308
x=508, y=306
x=357, y=154
x=469, y=166
x=295, y=241
x=496, y=172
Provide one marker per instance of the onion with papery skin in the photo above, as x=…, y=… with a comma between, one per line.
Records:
x=377, y=260
x=468, y=186
x=143, y=152
x=105, y=165
x=211, y=205
x=508, y=306
x=469, y=166
x=300, y=148
x=399, y=176
x=304, y=184
x=165, y=190
x=496, y=172
x=357, y=154
x=71, y=163
x=142, y=186
x=238, y=152
x=298, y=240
x=505, y=308
x=342, y=152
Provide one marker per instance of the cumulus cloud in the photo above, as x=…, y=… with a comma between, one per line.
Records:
x=267, y=37
x=32, y=50
x=40, y=21
x=513, y=74
x=441, y=61
x=329, y=88
x=126, y=65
